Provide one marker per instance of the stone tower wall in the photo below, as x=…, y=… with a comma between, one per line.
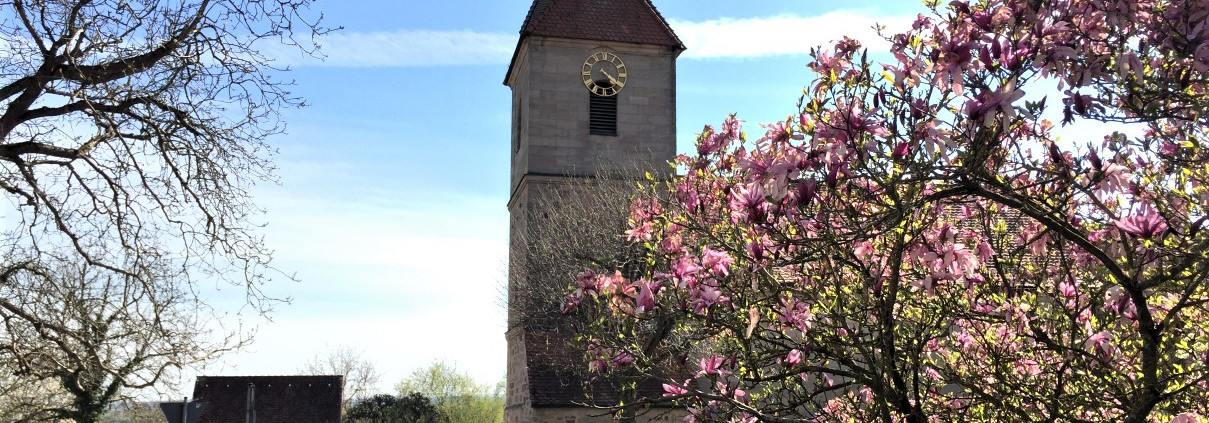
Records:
x=552, y=105
x=552, y=149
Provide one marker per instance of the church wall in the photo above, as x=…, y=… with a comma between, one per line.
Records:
x=516, y=398
x=518, y=252
x=551, y=132
x=521, y=117
x=550, y=139
x=557, y=139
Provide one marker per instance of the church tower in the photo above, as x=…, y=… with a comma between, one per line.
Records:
x=593, y=90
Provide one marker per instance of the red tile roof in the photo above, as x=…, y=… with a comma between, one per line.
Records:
x=278, y=399
x=627, y=21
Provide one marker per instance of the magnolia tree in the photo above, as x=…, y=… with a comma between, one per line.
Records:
x=917, y=244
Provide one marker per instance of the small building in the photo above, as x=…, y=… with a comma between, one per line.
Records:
x=270, y=399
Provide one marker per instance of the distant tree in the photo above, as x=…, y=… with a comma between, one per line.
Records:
x=360, y=375
x=386, y=408
x=134, y=412
x=458, y=396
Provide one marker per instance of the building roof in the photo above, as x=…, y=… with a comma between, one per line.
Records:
x=278, y=399
x=627, y=21
x=558, y=375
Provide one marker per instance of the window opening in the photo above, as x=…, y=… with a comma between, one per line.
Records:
x=602, y=112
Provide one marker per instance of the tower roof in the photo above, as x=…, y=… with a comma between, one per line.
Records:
x=627, y=21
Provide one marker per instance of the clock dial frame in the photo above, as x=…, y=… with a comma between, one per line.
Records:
x=604, y=74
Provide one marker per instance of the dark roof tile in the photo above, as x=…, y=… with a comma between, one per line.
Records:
x=279, y=399
x=627, y=21
x=558, y=375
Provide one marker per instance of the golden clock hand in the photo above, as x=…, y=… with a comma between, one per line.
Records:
x=611, y=78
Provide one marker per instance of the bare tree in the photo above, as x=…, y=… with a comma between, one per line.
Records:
x=130, y=135
x=92, y=337
x=23, y=401
x=360, y=375
x=572, y=224
x=131, y=131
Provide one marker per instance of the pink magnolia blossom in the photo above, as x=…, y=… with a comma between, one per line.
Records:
x=953, y=59
x=1067, y=289
x=623, y=359
x=724, y=388
x=1029, y=367
x=608, y=284
x=901, y=150
x=936, y=140
x=642, y=232
x=794, y=357
x=863, y=250
x=1148, y=224
x=713, y=142
x=1101, y=344
x=796, y=314
x=570, y=302
x=1200, y=60
x=646, y=296
x=686, y=270
x=985, y=252
x=1116, y=179
x=758, y=248
x=1187, y=418
x=991, y=106
x=704, y=297
x=586, y=282
x=1081, y=104
x=748, y=204
x=598, y=365
x=712, y=365
x=670, y=390
x=717, y=261
x=1116, y=300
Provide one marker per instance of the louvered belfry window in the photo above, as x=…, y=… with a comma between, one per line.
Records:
x=602, y=113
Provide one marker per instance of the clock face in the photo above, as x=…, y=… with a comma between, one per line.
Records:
x=604, y=74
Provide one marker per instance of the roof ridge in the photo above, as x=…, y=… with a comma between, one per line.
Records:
x=590, y=20
x=266, y=376
x=666, y=24
x=536, y=12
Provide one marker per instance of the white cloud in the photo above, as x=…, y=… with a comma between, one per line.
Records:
x=783, y=34
x=719, y=38
x=404, y=48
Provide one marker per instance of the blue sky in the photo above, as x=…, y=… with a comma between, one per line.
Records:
x=391, y=209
